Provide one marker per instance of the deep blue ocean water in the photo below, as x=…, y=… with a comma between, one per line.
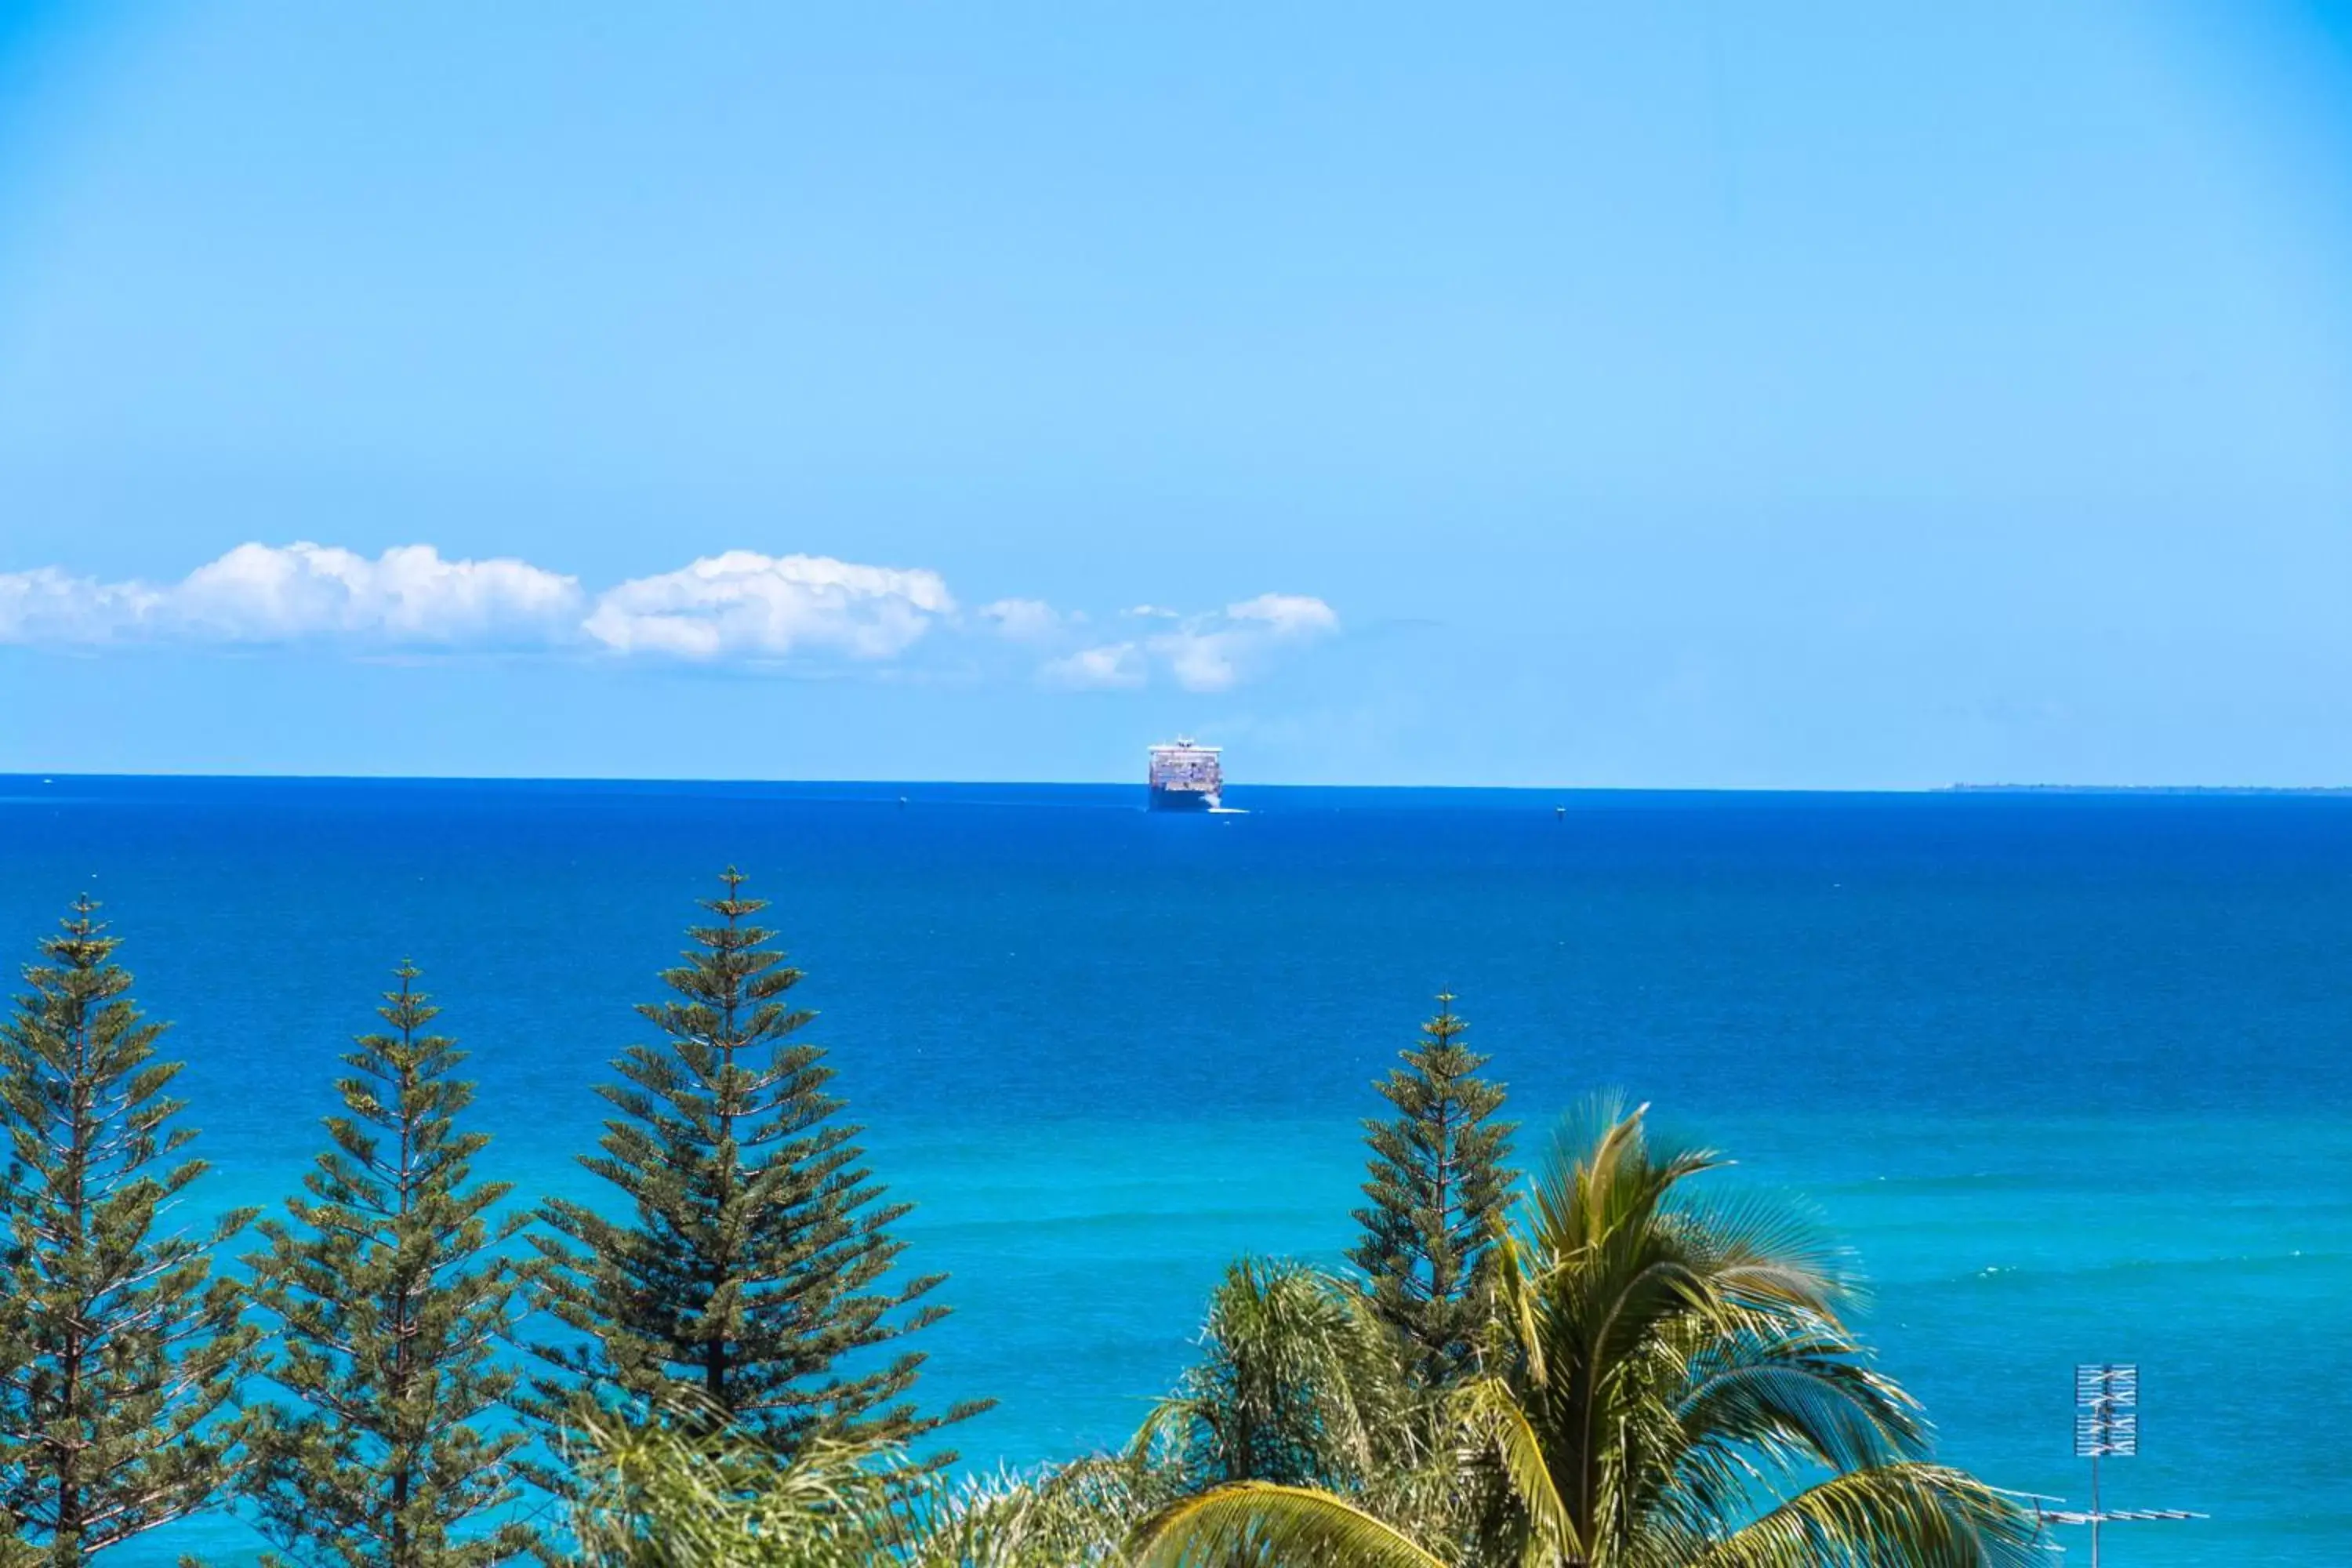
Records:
x=2070, y=1072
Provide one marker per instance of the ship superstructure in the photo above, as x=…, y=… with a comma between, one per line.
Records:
x=1186, y=776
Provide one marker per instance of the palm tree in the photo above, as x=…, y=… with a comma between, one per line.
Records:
x=1081, y=1513
x=1300, y=1383
x=685, y=1491
x=1667, y=1383
x=679, y=1494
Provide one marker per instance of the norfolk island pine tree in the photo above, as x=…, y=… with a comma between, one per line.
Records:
x=1439, y=1190
x=119, y=1350
x=757, y=1254
x=390, y=1298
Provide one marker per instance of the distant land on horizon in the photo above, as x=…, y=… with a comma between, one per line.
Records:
x=2141, y=789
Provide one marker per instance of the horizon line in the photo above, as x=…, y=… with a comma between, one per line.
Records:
x=1957, y=787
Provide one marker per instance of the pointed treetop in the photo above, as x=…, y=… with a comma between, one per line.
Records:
x=1437, y=1189
x=391, y=1292
x=760, y=1275
x=123, y=1350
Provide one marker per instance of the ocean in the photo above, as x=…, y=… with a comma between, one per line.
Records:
x=2072, y=1074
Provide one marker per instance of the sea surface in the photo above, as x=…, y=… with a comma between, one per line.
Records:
x=2072, y=1074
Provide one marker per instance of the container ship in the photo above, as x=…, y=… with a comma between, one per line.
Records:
x=1187, y=777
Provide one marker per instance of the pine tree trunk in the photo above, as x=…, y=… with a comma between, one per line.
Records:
x=81, y=1135
x=400, y=1327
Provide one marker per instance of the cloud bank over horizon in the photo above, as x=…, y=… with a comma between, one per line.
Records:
x=741, y=607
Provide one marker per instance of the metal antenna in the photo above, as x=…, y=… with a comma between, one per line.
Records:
x=2106, y=1427
x=2106, y=1423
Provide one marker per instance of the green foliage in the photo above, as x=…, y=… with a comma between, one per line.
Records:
x=389, y=1299
x=689, y=1494
x=1667, y=1383
x=1063, y=1517
x=756, y=1261
x=1299, y=1384
x=678, y=1492
x=117, y=1348
x=1439, y=1190
x=1269, y=1526
x=1633, y=1374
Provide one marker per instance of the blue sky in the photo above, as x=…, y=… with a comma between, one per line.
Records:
x=1790, y=394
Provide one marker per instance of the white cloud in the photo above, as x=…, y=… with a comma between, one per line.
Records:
x=1201, y=661
x=740, y=604
x=1213, y=653
x=256, y=593
x=407, y=596
x=1111, y=667
x=45, y=605
x=1026, y=620
x=1287, y=614
x=746, y=605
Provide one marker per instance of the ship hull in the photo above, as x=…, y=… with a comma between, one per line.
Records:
x=1183, y=800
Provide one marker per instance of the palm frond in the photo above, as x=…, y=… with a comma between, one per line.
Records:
x=1299, y=1383
x=1262, y=1525
x=658, y=1495
x=1776, y=1242
x=1807, y=1393
x=1889, y=1516
x=1492, y=1420
x=1516, y=1319
x=1079, y=1513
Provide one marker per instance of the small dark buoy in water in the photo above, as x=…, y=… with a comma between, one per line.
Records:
x=902, y=803
x=1560, y=812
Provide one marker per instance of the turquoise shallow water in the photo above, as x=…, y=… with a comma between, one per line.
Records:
x=2069, y=1073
